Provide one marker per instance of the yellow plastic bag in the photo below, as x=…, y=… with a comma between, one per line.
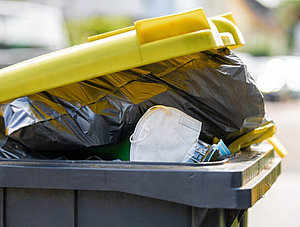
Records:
x=265, y=132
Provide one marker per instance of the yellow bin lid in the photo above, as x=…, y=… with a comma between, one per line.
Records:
x=148, y=41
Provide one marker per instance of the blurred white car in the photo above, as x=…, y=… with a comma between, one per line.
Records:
x=277, y=77
x=28, y=30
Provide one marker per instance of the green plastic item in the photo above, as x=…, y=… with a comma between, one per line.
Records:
x=117, y=151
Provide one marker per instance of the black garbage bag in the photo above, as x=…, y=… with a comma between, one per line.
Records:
x=11, y=149
x=213, y=87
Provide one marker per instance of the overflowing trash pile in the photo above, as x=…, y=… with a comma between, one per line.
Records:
x=190, y=108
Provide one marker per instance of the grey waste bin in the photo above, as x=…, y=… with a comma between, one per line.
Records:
x=99, y=193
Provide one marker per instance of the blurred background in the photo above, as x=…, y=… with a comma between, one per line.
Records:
x=272, y=53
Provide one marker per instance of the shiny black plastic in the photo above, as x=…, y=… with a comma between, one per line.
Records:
x=213, y=87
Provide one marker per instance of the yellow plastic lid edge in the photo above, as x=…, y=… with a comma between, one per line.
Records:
x=178, y=46
x=153, y=29
x=109, y=34
x=223, y=27
x=160, y=28
x=105, y=56
x=226, y=27
x=278, y=146
x=228, y=16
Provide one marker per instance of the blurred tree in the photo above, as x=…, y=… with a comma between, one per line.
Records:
x=289, y=16
x=79, y=30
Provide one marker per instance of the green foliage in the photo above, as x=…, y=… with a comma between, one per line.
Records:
x=288, y=14
x=80, y=30
x=262, y=49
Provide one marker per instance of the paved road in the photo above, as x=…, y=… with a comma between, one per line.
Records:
x=281, y=205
